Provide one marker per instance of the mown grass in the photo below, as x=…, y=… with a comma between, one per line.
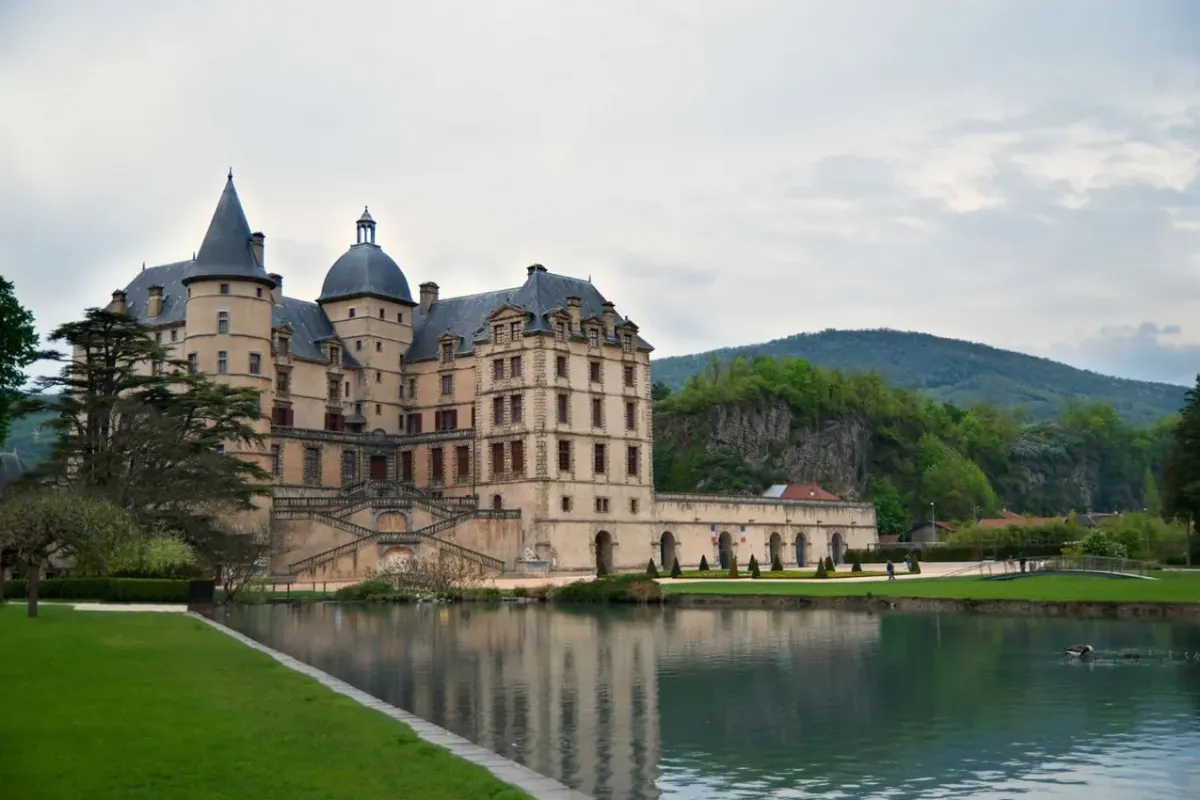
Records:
x=792, y=574
x=1170, y=587
x=120, y=705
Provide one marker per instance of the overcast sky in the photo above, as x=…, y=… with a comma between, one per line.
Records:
x=1025, y=174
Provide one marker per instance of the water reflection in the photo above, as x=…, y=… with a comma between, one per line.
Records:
x=698, y=703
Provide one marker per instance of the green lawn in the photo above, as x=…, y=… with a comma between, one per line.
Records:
x=147, y=706
x=793, y=574
x=1171, y=587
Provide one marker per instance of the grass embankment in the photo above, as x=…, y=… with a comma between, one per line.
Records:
x=1170, y=587
x=128, y=705
x=787, y=574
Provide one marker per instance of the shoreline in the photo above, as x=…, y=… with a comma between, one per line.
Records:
x=1079, y=609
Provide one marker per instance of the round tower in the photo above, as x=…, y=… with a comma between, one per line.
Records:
x=229, y=313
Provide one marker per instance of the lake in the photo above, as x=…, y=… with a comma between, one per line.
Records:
x=711, y=704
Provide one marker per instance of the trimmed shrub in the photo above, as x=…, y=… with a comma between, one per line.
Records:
x=676, y=572
x=105, y=590
x=520, y=592
x=651, y=569
x=704, y=563
x=829, y=567
x=855, y=563
x=776, y=564
x=754, y=571
x=616, y=589
x=364, y=591
x=821, y=571
x=915, y=569
x=733, y=572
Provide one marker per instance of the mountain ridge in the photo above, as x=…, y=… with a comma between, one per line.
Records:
x=949, y=370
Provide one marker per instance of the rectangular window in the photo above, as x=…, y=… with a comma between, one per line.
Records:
x=349, y=466
x=447, y=385
x=602, y=505
x=379, y=377
x=597, y=412
x=515, y=329
x=358, y=344
x=447, y=352
x=222, y=362
x=353, y=312
x=446, y=419
x=497, y=458
x=255, y=363
x=593, y=337
x=412, y=388
x=174, y=334
x=412, y=424
x=224, y=288
x=629, y=373
x=335, y=355
x=515, y=410
x=382, y=314
x=285, y=346
x=335, y=422
x=379, y=347
x=497, y=410
x=560, y=331
x=631, y=416
x=498, y=369
x=276, y=460
x=378, y=409
x=335, y=390
x=564, y=409
x=514, y=366
x=566, y=503
x=437, y=467
x=312, y=465
x=560, y=366
x=222, y=322
x=599, y=460
x=462, y=461
x=518, y=458
x=406, y=466
x=633, y=505
x=564, y=455
x=594, y=374
x=400, y=317
x=156, y=367
x=627, y=342
x=193, y=362
x=632, y=460
x=158, y=337
x=282, y=416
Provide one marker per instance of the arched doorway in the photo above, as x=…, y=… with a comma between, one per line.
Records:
x=604, y=545
x=497, y=502
x=666, y=548
x=837, y=547
x=775, y=545
x=724, y=549
x=801, y=550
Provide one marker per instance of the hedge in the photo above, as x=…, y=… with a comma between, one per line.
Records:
x=954, y=553
x=627, y=588
x=108, y=590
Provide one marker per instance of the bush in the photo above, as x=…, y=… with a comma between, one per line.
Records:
x=829, y=567
x=915, y=564
x=704, y=563
x=1103, y=543
x=520, y=591
x=366, y=590
x=855, y=563
x=616, y=589
x=754, y=571
x=651, y=569
x=106, y=590
x=821, y=571
x=733, y=571
x=676, y=572
x=955, y=553
x=776, y=564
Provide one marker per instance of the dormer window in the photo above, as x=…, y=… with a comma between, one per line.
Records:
x=447, y=352
x=284, y=345
x=627, y=342
x=497, y=334
x=593, y=337
x=560, y=331
x=335, y=355
x=516, y=329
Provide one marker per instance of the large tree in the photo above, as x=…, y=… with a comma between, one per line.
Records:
x=1181, y=467
x=18, y=348
x=40, y=523
x=143, y=431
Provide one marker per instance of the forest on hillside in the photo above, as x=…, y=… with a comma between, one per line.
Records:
x=860, y=437
x=951, y=371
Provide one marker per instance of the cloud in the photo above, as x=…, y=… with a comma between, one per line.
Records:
x=1148, y=352
x=994, y=171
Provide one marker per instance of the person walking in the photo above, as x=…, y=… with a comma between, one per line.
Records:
x=891, y=570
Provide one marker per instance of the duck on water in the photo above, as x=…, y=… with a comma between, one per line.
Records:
x=1080, y=651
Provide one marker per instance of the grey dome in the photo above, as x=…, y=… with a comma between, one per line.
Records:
x=365, y=269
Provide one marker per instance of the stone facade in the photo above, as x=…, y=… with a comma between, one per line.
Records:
x=513, y=427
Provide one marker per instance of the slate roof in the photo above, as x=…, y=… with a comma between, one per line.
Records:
x=225, y=251
x=466, y=317
x=310, y=329
x=365, y=269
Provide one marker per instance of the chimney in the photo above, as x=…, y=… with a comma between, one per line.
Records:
x=257, y=241
x=610, y=318
x=277, y=292
x=429, y=295
x=575, y=313
x=532, y=268
x=155, y=303
x=118, y=302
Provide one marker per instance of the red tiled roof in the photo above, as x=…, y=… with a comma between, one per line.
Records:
x=889, y=538
x=808, y=491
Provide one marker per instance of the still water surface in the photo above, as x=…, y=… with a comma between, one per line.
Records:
x=717, y=704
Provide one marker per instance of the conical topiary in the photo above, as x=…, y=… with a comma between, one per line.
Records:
x=855, y=564
x=733, y=573
x=676, y=572
x=916, y=563
x=651, y=569
x=829, y=564
x=754, y=571
x=776, y=564
x=821, y=571
x=704, y=563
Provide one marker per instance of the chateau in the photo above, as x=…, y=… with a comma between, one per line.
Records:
x=512, y=429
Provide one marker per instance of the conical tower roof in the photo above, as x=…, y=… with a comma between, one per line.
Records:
x=226, y=251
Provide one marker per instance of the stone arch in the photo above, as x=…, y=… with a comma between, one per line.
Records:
x=774, y=549
x=497, y=502
x=667, y=549
x=604, y=551
x=837, y=547
x=801, y=550
x=724, y=549
x=397, y=558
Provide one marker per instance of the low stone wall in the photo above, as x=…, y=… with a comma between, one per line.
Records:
x=1189, y=612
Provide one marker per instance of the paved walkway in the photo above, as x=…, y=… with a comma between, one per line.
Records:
x=536, y=784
